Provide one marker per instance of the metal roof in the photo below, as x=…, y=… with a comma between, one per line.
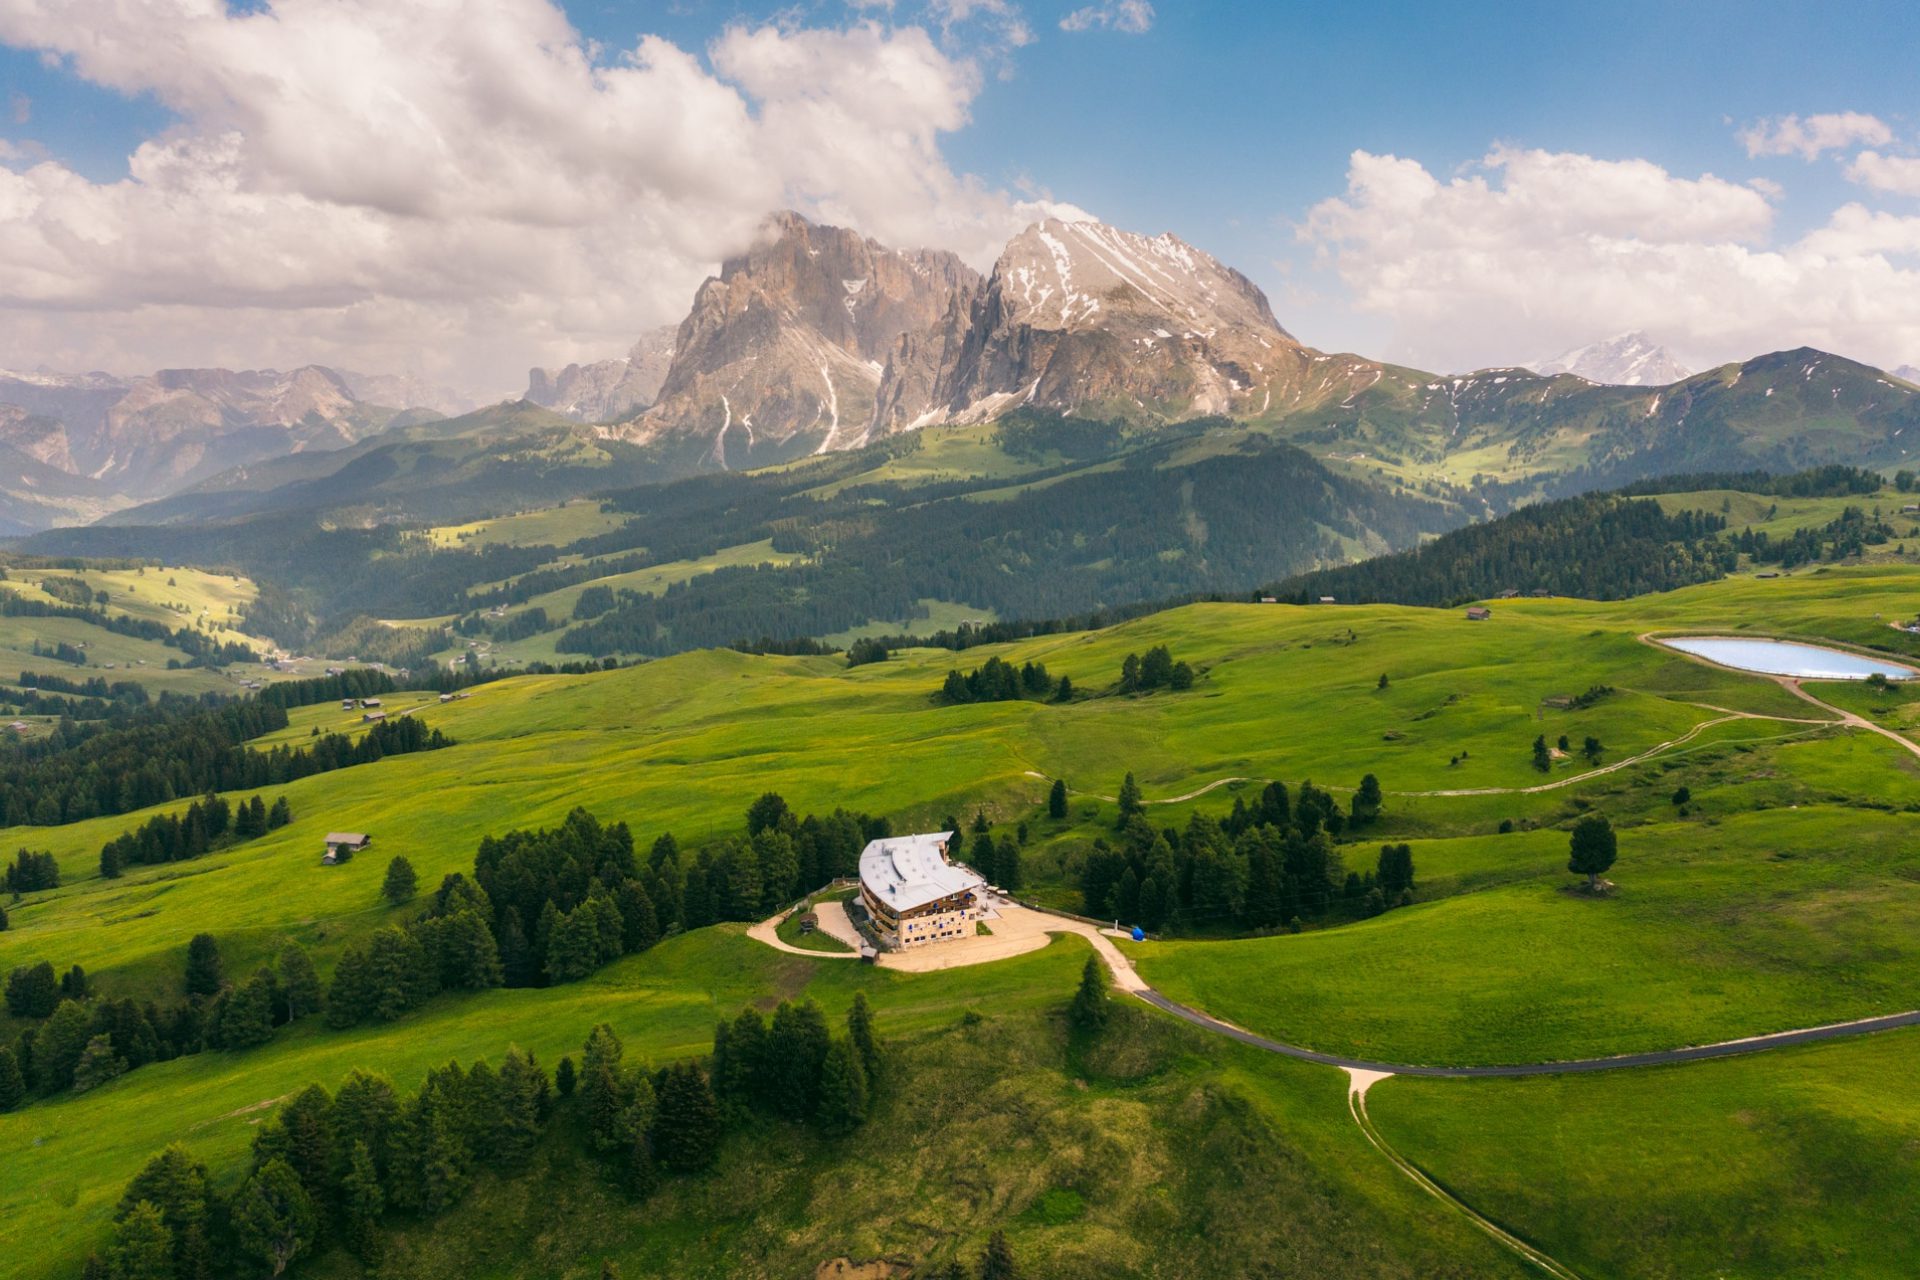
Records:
x=906, y=872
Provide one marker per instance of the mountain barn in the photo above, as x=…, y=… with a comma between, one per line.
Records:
x=342, y=845
x=914, y=894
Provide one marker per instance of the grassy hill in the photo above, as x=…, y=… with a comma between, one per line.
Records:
x=1782, y=896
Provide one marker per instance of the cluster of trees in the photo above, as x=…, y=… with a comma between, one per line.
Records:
x=328, y=1168
x=331, y=1168
x=84, y=1040
x=207, y=824
x=1156, y=670
x=1592, y=749
x=60, y=651
x=793, y=1065
x=1600, y=546
x=121, y=769
x=1266, y=865
x=31, y=872
x=360, y=682
x=551, y=906
x=1841, y=538
x=513, y=626
x=995, y=857
x=865, y=650
x=1000, y=681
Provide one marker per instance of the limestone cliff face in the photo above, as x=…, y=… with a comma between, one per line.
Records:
x=1083, y=317
x=784, y=350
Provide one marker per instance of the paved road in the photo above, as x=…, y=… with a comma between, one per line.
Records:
x=1656, y=1058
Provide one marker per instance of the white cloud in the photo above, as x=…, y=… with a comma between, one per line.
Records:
x=1532, y=252
x=468, y=188
x=1808, y=137
x=1131, y=16
x=1897, y=174
x=20, y=107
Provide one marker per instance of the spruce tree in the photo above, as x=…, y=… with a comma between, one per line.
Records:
x=13, y=1087
x=205, y=973
x=686, y=1130
x=860, y=1031
x=143, y=1246
x=273, y=1217
x=247, y=1019
x=997, y=1262
x=842, y=1106
x=401, y=882
x=57, y=1048
x=280, y=815
x=98, y=1064
x=299, y=982
x=1089, y=1009
x=1129, y=801
x=796, y=1049
x=361, y=1204
x=1057, y=800
x=563, y=1078
x=1006, y=865
x=177, y=1185
x=523, y=1090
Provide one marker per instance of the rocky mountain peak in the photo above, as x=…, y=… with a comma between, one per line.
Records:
x=783, y=350
x=1909, y=373
x=1625, y=360
x=1084, y=317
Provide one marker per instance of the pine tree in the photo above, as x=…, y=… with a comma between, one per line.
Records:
x=205, y=974
x=401, y=882
x=143, y=1246
x=13, y=1086
x=860, y=1031
x=1057, y=800
x=563, y=1078
x=1089, y=1009
x=273, y=1217
x=299, y=982
x=997, y=1262
x=843, y=1089
x=280, y=815
x=686, y=1130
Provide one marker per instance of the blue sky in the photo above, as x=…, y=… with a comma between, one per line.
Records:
x=1227, y=123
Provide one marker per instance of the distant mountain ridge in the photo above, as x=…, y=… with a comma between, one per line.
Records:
x=1625, y=360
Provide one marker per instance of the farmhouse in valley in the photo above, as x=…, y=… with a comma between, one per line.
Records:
x=914, y=894
x=342, y=845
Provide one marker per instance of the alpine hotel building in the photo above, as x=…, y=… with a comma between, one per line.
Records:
x=914, y=894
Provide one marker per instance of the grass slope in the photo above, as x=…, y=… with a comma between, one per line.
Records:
x=1798, y=1164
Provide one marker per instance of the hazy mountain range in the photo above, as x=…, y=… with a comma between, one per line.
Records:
x=819, y=339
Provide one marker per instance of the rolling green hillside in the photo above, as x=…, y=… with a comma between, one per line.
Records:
x=1779, y=896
